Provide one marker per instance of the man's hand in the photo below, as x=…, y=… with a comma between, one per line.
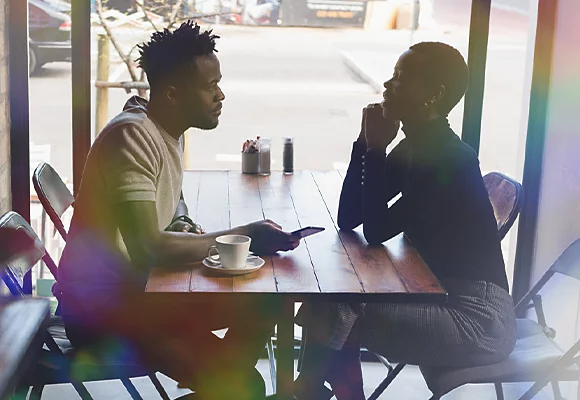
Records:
x=269, y=238
x=379, y=131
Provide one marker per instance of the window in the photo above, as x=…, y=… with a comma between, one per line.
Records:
x=50, y=112
x=507, y=97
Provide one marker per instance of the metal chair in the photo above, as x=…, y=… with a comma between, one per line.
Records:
x=59, y=362
x=53, y=195
x=536, y=357
x=506, y=196
x=56, y=199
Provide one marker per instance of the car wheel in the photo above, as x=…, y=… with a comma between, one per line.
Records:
x=32, y=61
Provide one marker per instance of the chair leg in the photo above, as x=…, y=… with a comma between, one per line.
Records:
x=385, y=362
x=159, y=387
x=499, y=391
x=386, y=382
x=131, y=389
x=556, y=390
x=301, y=351
x=36, y=392
x=82, y=390
x=272, y=361
x=534, y=390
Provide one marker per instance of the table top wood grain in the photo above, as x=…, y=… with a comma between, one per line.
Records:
x=336, y=265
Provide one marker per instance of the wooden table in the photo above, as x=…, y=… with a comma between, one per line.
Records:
x=332, y=265
x=22, y=330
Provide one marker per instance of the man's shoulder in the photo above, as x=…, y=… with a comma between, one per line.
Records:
x=127, y=125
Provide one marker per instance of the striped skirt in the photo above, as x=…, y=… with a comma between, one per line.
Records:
x=477, y=326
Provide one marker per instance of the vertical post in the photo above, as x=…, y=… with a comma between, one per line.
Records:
x=81, y=90
x=102, y=95
x=18, y=98
x=219, y=11
x=285, y=350
x=416, y=11
x=476, y=60
x=535, y=141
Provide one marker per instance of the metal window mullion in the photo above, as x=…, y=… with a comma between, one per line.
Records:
x=81, y=90
x=535, y=141
x=476, y=60
x=18, y=98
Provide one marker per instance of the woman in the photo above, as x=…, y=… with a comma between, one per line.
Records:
x=445, y=212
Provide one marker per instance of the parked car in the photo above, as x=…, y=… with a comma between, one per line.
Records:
x=49, y=33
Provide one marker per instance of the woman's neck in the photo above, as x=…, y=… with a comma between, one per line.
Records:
x=413, y=126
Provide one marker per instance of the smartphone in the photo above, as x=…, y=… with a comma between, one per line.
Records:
x=309, y=230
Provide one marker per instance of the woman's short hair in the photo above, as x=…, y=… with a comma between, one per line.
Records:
x=447, y=67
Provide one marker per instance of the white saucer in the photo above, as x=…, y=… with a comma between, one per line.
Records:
x=253, y=263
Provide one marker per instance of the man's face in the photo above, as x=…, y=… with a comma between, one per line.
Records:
x=200, y=97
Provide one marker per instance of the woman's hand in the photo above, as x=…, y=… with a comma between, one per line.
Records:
x=379, y=131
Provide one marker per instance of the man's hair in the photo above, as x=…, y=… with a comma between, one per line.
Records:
x=445, y=66
x=168, y=51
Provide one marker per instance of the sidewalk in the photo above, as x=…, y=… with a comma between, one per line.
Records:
x=373, y=61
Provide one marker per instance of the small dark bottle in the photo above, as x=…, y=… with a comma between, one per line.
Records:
x=288, y=156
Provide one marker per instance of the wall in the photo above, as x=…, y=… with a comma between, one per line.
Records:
x=5, y=197
x=559, y=213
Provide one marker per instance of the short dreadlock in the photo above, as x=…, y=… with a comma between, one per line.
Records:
x=167, y=51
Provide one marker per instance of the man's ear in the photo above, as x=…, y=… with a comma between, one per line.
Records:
x=171, y=94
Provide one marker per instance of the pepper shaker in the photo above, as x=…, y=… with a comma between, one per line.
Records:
x=288, y=156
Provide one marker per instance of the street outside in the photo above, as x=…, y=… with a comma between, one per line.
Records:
x=297, y=82
x=310, y=83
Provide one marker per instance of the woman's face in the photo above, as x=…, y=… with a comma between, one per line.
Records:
x=406, y=92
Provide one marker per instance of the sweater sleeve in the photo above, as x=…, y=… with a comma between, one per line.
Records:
x=129, y=164
x=355, y=185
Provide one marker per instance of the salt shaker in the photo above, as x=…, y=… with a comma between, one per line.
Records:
x=264, y=151
x=288, y=156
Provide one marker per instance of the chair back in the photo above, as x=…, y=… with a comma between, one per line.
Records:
x=53, y=194
x=506, y=196
x=21, y=259
x=567, y=264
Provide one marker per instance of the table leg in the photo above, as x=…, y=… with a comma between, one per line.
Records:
x=285, y=359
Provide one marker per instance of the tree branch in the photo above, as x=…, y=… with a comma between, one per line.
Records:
x=114, y=41
x=174, y=12
x=142, y=7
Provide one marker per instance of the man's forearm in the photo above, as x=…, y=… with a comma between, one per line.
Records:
x=175, y=248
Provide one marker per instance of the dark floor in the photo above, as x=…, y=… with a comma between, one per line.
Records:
x=408, y=385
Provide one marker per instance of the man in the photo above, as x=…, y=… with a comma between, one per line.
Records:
x=130, y=216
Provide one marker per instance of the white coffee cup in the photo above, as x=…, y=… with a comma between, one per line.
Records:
x=232, y=249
